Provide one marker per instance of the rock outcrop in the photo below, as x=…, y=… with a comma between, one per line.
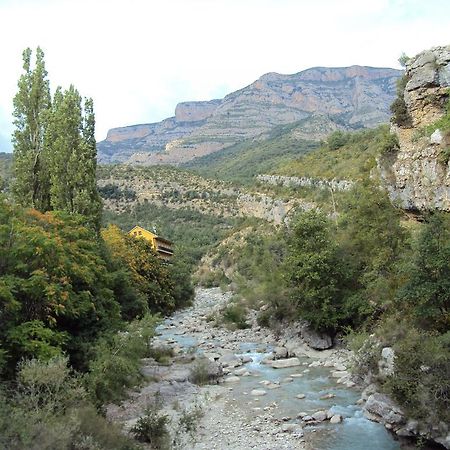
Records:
x=354, y=97
x=418, y=175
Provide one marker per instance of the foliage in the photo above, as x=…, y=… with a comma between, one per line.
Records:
x=193, y=232
x=47, y=408
x=114, y=192
x=115, y=361
x=401, y=116
x=314, y=271
x=427, y=291
x=31, y=107
x=235, y=315
x=5, y=171
x=421, y=383
x=344, y=156
x=152, y=427
x=70, y=152
x=371, y=243
x=54, y=285
x=54, y=146
x=164, y=288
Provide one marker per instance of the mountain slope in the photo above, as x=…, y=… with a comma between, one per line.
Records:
x=354, y=97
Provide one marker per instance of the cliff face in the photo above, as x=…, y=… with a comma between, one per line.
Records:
x=353, y=96
x=418, y=176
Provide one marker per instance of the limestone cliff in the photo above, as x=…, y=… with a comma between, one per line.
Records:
x=352, y=97
x=418, y=175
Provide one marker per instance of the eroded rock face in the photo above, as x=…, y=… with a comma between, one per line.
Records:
x=418, y=177
x=324, y=98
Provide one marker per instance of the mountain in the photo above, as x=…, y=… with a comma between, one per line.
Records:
x=349, y=98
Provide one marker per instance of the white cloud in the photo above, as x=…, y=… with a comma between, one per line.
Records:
x=137, y=59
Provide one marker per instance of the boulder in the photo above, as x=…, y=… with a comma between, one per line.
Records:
x=283, y=363
x=320, y=416
x=280, y=352
x=386, y=363
x=258, y=392
x=384, y=409
x=337, y=418
x=316, y=340
x=232, y=379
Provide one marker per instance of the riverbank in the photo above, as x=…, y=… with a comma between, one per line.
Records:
x=256, y=405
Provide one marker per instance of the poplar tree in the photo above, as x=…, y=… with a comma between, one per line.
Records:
x=72, y=153
x=31, y=107
x=55, y=154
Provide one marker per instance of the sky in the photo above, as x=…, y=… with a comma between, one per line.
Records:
x=138, y=58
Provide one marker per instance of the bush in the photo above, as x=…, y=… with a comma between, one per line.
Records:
x=116, y=361
x=199, y=372
x=161, y=354
x=421, y=383
x=235, y=316
x=152, y=426
x=48, y=409
x=398, y=108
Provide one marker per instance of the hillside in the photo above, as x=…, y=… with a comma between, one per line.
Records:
x=354, y=97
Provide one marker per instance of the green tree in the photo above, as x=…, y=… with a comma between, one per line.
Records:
x=313, y=270
x=427, y=292
x=55, y=292
x=31, y=105
x=71, y=151
x=371, y=241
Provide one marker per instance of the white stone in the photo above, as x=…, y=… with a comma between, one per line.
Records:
x=339, y=373
x=232, y=379
x=300, y=396
x=436, y=137
x=282, y=363
x=337, y=418
x=258, y=392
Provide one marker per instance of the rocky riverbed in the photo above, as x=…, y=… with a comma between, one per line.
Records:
x=272, y=392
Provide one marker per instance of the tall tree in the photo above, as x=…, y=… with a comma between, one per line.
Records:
x=31, y=107
x=71, y=151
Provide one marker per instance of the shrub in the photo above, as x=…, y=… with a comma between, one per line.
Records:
x=235, y=316
x=161, y=354
x=421, y=382
x=116, y=361
x=152, y=426
x=398, y=108
x=199, y=372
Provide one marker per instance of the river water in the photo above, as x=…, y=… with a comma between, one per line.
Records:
x=354, y=433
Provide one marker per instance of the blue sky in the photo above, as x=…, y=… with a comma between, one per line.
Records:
x=138, y=58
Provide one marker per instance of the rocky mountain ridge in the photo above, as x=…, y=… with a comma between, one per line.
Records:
x=349, y=97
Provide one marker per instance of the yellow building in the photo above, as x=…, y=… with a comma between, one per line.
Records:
x=161, y=246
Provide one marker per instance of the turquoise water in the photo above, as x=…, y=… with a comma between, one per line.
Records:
x=354, y=433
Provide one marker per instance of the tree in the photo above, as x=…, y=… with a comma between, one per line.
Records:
x=314, y=272
x=71, y=151
x=31, y=106
x=427, y=292
x=371, y=241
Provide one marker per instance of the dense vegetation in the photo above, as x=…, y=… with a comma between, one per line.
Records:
x=5, y=170
x=368, y=270
x=77, y=306
x=349, y=156
x=241, y=162
x=193, y=232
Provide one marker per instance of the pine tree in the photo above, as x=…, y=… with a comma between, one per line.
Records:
x=31, y=107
